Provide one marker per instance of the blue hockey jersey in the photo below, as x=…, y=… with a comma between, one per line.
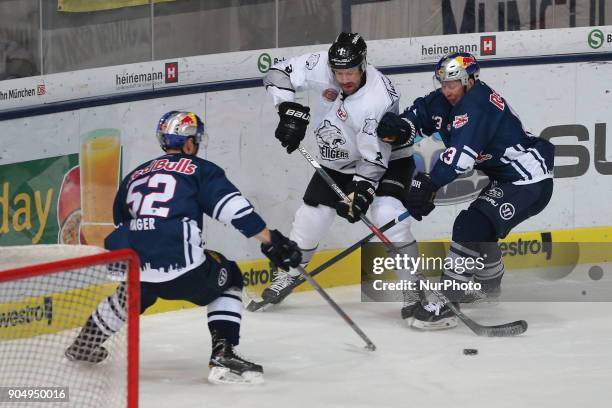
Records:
x=482, y=132
x=158, y=210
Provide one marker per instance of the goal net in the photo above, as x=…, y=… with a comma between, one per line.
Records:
x=42, y=310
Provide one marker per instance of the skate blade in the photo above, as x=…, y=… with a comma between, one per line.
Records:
x=441, y=324
x=222, y=375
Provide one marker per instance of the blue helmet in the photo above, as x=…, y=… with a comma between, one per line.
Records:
x=457, y=66
x=175, y=127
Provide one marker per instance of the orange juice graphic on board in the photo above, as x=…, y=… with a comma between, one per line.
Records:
x=100, y=162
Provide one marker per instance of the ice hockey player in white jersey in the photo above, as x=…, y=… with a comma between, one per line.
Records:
x=158, y=210
x=375, y=175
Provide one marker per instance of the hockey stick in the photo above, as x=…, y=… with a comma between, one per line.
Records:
x=254, y=305
x=503, y=330
x=369, y=345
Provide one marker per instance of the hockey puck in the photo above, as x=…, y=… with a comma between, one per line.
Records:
x=470, y=352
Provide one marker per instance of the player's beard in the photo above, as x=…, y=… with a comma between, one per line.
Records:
x=349, y=88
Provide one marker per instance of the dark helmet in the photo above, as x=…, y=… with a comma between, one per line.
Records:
x=348, y=51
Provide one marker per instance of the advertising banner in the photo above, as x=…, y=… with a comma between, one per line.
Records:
x=232, y=66
x=79, y=6
x=33, y=205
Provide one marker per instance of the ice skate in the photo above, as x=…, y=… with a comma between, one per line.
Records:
x=87, y=353
x=434, y=316
x=280, y=288
x=411, y=301
x=226, y=367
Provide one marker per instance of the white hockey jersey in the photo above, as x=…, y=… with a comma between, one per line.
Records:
x=344, y=127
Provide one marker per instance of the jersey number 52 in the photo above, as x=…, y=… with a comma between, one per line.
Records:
x=143, y=202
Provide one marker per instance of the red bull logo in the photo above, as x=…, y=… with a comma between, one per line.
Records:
x=466, y=61
x=189, y=119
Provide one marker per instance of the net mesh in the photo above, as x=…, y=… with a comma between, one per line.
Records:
x=41, y=315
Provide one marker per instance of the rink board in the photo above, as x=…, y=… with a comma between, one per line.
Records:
x=592, y=246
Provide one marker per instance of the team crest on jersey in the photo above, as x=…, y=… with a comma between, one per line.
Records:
x=460, y=120
x=483, y=157
x=329, y=138
x=370, y=127
x=341, y=112
x=497, y=100
x=330, y=94
x=312, y=61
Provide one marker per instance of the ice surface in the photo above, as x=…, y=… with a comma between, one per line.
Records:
x=311, y=358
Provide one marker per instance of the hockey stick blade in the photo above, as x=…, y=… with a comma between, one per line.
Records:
x=255, y=305
x=501, y=330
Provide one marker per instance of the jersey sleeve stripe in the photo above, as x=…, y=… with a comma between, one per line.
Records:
x=280, y=87
x=539, y=158
x=222, y=202
x=465, y=162
x=232, y=209
x=279, y=70
x=366, y=178
x=470, y=151
x=243, y=213
x=519, y=169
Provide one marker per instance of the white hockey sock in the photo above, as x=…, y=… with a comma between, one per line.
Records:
x=110, y=315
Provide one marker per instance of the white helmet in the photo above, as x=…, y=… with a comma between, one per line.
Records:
x=457, y=66
x=175, y=127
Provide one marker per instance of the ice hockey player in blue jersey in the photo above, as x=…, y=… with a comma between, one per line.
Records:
x=480, y=131
x=158, y=212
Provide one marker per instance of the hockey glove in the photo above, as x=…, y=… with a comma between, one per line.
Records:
x=283, y=252
x=396, y=130
x=361, y=194
x=294, y=119
x=420, y=197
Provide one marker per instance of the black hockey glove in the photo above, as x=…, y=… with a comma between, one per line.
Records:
x=395, y=130
x=294, y=119
x=361, y=194
x=283, y=252
x=420, y=197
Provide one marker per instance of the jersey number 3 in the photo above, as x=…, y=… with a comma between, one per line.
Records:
x=145, y=204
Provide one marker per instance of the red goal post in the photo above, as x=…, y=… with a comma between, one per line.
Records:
x=42, y=309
